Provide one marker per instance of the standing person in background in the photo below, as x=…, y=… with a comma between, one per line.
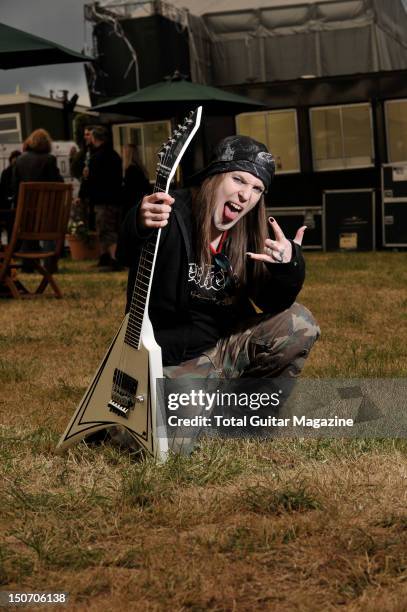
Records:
x=135, y=184
x=79, y=164
x=7, y=194
x=38, y=165
x=103, y=188
x=6, y=182
x=80, y=159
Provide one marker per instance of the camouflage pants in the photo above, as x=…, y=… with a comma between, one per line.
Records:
x=107, y=225
x=265, y=347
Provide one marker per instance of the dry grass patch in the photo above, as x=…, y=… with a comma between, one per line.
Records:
x=292, y=525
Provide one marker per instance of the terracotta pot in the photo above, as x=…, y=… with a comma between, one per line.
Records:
x=81, y=249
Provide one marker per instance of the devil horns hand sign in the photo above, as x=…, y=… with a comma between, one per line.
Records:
x=278, y=250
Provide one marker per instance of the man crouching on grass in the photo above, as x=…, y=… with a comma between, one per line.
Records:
x=223, y=294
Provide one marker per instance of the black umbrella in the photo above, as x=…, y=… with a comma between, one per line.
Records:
x=20, y=49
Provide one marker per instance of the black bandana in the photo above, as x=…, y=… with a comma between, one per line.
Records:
x=240, y=153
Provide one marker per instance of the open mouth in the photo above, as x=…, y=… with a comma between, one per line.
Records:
x=231, y=211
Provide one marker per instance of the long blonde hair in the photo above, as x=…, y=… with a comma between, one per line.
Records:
x=248, y=234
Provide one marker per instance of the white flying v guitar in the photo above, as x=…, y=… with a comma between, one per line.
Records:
x=123, y=390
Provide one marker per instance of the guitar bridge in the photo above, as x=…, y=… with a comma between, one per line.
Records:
x=124, y=391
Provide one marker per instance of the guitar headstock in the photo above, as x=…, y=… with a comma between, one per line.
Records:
x=171, y=152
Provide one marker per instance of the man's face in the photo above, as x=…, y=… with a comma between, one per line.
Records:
x=87, y=136
x=236, y=195
x=95, y=142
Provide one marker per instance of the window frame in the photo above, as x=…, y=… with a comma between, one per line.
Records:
x=342, y=167
x=386, y=127
x=275, y=112
x=17, y=117
x=118, y=146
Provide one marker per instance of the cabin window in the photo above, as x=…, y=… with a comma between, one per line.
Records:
x=342, y=137
x=148, y=138
x=396, y=130
x=278, y=131
x=10, y=128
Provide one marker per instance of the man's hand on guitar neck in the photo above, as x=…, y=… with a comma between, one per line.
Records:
x=154, y=210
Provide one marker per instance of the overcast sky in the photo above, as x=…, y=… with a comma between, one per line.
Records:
x=61, y=21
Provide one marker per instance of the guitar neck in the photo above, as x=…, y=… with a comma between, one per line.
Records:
x=169, y=157
x=142, y=285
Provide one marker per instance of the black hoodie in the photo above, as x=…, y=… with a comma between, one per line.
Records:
x=181, y=329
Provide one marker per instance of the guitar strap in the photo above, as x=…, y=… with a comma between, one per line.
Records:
x=221, y=244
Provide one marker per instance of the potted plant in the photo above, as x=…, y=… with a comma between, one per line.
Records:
x=83, y=243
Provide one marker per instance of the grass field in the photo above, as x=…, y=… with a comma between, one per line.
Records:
x=290, y=525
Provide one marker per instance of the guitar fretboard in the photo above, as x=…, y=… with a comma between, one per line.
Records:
x=169, y=158
x=142, y=283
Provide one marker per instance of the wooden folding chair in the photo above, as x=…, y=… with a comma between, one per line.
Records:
x=42, y=213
